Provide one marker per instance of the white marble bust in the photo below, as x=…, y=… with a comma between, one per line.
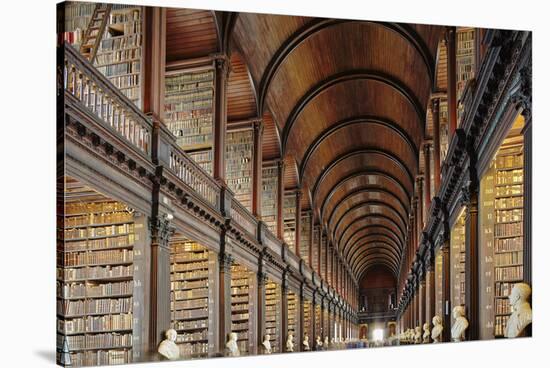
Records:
x=437, y=330
x=426, y=336
x=231, y=347
x=318, y=343
x=417, y=335
x=168, y=348
x=290, y=343
x=266, y=344
x=305, y=343
x=460, y=325
x=522, y=314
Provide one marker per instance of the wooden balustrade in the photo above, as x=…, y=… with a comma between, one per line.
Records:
x=97, y=94
x=243, y=217
x=194, y=176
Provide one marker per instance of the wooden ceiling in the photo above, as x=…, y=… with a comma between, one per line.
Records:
x=344, y=102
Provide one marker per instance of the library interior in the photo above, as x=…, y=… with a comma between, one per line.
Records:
x=233, y=184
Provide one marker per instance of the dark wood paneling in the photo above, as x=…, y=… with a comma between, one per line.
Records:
x=190, y=33
x=241, y=100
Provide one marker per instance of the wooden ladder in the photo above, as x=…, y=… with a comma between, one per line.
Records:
x=94, y=32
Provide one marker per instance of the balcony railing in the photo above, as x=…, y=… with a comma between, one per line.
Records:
x=241, y=216
x=100, y=97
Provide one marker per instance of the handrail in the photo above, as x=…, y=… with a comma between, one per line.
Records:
x=193, y=175
x=243, y=217
x=82, y=80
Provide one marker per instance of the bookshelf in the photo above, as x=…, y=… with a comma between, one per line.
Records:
x=241, y=305
x=239, y=146
x=120, y=49
x=77, y=19
x=465, y=63
x=305, y=235
x=95, y=282
x=269, y=196
x=188, y=114
x=315, y=250
x=458, y=254
x=439, y=283
x=318, y=316
x=307, y=329
x=289, y=218
x=273, y=314
x=444, y=129
x=293, y=316
x=191, y=277
x=325, y=323
x=323, y=256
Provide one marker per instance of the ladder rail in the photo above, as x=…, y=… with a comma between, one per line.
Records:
x=90, y=51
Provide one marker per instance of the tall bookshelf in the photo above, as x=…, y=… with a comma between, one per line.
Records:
x=191, y=277
x=465, y=63
x=77, y=18
x=325, y=323
x=269, y=196
x=318, y=316
x=315, y=251
x=508, y=233
x=444, y=129
x=307, y=321
x=439, y=283
x=458, y=254
x=95, y=282
x=305, y=235
x=289, y=219
x=240, y=305
x=323, y=255
x=239, y=146
x=120, y=50
x=188, y=114
x=293, y=316
x=273, y=314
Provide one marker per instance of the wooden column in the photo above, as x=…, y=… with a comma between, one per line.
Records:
x=471, y=264
x=450, y=38
x=298, y=222
x=430, y=290
x=322, y=321
x=527, y=201
x=257, y=169
x=154, y=62
x=284, y=313
x=224, y=298
x=220, y=116
x=159, y=317
x=427, y=182
x=420, y=194
x=262, y=280
x=437, y=144
x=280, y=197
x=421, y=302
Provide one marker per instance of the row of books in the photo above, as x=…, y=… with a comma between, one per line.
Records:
x=197, y=125
x=72, y=290
x=125, y=82
x=509, y=190
x=500, y=325
x=94, y=306
x=186, y=276
x=509, y=215
x=175, y=82
x=99, y=272
x=97, y=341
x=191, y=314
x=502, y=306
x=240, y=306
x=76, y=233
x=132, y=67
x=187, y=257
x=509, y=229
x=510, y=177
x=94, y=208
x=192, y=337
x=196, y=265
x=194, y=349
x=118, y=56
x=96, y=218
x=186, y=285
x=91, y=324
x=98, y=244
x=189, y=304
x=189, y=294
x=189, y=95
x=503, y=289
x=172, y=116
x=509, y=258
x=508, y=273
x=191, y=324
x=504, y=203
x=109, y=256
x=505, y=162
x=272, y=313
x=120, y=43
x=509, y=244
x=101, y=357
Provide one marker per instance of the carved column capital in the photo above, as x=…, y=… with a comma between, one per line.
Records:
x=262, y=278
x=161, y=230
x=226, y=261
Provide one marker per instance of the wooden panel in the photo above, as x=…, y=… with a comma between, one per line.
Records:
x=270, y=142
x=241, y=100
x=190, y=33
x=291, y=173
x=260, y=35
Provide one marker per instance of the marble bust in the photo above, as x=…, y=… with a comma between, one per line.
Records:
x=305, y=343
x=266, y=344
x=318, y=343
x=460, y=325
x=521, y=310
x=417, y=335
x=437, y=330
x=168, y=348
x=290, y=343
x=426, y=335
x=231, y=347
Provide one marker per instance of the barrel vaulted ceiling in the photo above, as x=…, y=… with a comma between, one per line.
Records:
x=345, y=105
